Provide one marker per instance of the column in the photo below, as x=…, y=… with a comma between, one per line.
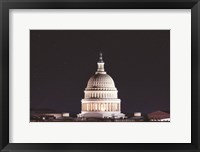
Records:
x=86, y=107
x=117, y=106
x=99, y=106
x=90, y=106
x=106, y=106
x=96, y=107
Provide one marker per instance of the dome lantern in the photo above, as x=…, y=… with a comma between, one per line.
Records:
x=100, y=64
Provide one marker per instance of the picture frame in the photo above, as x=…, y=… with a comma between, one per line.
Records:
x=6, y=5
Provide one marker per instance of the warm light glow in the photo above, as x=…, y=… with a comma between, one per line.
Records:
x=65, y=114
x=103, y=109
x=137, y=114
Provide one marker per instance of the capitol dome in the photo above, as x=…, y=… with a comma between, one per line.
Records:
x=101, y=96
x=101, y=82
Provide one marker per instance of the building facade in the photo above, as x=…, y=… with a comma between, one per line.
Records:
x=159, y=116
x=101, y=96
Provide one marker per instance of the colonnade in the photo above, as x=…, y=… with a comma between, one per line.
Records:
x=101, y=107
x=100, y=95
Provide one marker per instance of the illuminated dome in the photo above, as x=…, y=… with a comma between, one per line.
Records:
x=101, y=96
x=101, y=82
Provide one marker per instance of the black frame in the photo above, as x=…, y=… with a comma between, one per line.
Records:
x=5, y=5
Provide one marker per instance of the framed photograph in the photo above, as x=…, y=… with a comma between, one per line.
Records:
x=95, y=75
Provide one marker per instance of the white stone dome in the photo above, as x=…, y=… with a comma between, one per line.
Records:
x=101, y=81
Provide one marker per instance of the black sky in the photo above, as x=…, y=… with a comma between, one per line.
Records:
x=62, y=61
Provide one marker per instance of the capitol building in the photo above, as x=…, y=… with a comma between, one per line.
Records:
x=101, y=96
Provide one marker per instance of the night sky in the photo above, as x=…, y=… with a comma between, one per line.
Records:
x=62, y=61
